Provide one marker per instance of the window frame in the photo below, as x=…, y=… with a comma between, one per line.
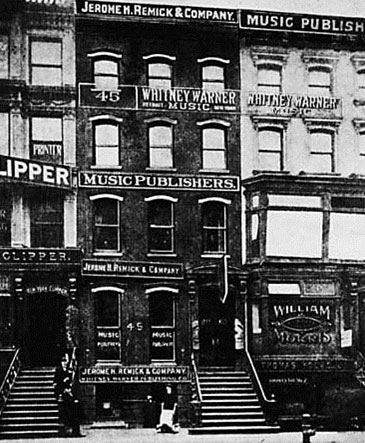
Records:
x=107, y=56
x=166, y=123
x=117, y=226
x=221, y=231
x=214, y=124
x=160, y=59
x=171, y=227
x=173, y=292
x=34, y=141
x=112, y=121
x=278, y=129
x=58, y=67
x=332, y=133
x=318, y=87
x=269, y=88
x=213, y=62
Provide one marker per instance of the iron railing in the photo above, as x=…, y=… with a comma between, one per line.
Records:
x=9, y=379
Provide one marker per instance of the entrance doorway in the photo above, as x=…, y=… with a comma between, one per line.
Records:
x=45, y=329
x=216, y=328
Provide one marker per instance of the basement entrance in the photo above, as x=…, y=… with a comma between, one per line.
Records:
x=45, y=328
x=216, y=328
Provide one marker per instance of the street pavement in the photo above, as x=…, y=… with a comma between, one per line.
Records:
x=151, y=436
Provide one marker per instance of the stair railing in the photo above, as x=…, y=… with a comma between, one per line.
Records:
x=269, y=404
x=72, y=366
x=195, y=404
x=9, y=379
x=360, y=368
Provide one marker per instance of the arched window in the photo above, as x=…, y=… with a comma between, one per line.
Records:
x=161, y=142
x=106, y=70
x=161, y=225
x=214, y=144
x=213, y=73
x=162, y=321
x=108, y=338
x=159, y=70
x=270, y=148
x=214, y=225
x=106, y=140
x=107, y=223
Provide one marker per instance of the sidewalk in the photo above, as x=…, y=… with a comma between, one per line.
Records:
x=150, y=436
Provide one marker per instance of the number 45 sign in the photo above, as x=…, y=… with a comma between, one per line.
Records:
x=138, y=326
x=125, y=97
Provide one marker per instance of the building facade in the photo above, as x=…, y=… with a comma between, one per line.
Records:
x=303, y=172
x=159, y=214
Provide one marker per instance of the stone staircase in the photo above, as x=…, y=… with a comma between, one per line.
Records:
x=229, y=404
x=31, y=410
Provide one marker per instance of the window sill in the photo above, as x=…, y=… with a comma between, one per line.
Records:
x=213, y=255
x=161, y=254
x=214, y=171
x=165, y=362
x=108, y=254
x=109, y=167
x=161, y=169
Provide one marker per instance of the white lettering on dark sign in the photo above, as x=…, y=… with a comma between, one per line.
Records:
x=156, y=11
x=35, y=172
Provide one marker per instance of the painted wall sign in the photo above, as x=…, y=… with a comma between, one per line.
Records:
x=133, y=374
x=46, y=287
x=291, y=105
x=162, y=344
x=29, y=171
x=111, y=268
x=108, y=343
x=281, y=21
x=303, y=364
x=47, y=152
x=301, y=323
x=165, y=12
x=164, y=99
x=116, y=180
x=25, y=256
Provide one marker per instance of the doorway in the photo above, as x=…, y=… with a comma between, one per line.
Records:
x=216, y=328
x=45, y=336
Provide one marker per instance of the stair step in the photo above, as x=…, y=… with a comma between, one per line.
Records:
x=234, y=422
x=228, y=395
x=31, y=434
x=234, y=429
x=26, y=419
x=233, y=415
x=30, y=412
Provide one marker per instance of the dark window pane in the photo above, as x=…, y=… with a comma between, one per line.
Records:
x=160, y=213
x=106, y=238
x=106, y=212
x=213, y=214
x=107, y=309
x=160, y=239
x=161, y=309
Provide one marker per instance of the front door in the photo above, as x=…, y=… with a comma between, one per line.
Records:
x=216, y=329
x=45, y=328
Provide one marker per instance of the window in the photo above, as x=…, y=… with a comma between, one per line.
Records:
x=321, y=151
x=347, y=236
x=161, y=224
x=320, y=81
x=162, y=320
x=160, y=136
x=270, y=149
x=108, y=323
x=46, y=63
x=107, y=221
x=361, y=81
x=5, y=219
x=106, y=74
x=159, y=70
x=47, y=139
x=4, y=133
x=106, y=144
x=362, y=152
x=214, y=226
x=4, y=56
x=269, y=79
x=214, y=148
x=46, y=220
x=213, y=77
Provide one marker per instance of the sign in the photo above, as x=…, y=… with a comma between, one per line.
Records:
x=111, y=268
x=165, y=12
x=32, y=172
x=27, y=256
x=133, y=374
x=291, y=105
x=47, y=287
x=304, y=23
x=346, y=338
x=108, y=345
x=162, y=344
x=297, y=324
x=139, y=98
x=303, y=364
x=171, y=182
x=47, y=152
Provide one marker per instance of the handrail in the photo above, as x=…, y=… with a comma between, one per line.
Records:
x=9, y=380
x=252, y=365
x=73, y=365
x=193, y=363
